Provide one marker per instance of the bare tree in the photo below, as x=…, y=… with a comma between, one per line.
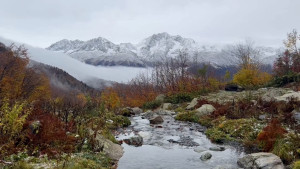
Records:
x=246, y=55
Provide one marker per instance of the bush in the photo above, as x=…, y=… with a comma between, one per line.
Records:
x=285, y=150
x=271, y=134
x=239, y=130
x=296, y=165
x=120, y=121
x=187, y=116
x=251, y=78
x=152, y=104
x=215, y=135
x=179, y=98
x=280, y=81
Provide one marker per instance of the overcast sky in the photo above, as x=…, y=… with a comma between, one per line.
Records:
x=43, y=22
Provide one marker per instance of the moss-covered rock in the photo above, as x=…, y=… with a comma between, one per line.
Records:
x=187, y=116
x=238, y=130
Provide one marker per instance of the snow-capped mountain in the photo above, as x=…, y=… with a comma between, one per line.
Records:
x=100, y=51
x=89, y=74
x=161, y=45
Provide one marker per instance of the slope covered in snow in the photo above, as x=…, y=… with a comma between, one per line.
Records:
x=100, y=51
x=78, y=69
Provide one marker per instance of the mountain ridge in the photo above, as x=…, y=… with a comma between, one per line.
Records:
x=100, y=51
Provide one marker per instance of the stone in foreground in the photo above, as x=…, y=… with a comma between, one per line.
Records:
x=233, y=88
x=192, y=105
x=205, y=109
x=156, y=120
x=261, y=161
x=217, y=148
x=135, y=141
x=206, y=157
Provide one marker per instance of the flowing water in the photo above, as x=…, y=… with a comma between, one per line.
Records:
x=172, y=145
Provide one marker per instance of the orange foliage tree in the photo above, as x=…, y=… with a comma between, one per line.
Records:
x=111, y=99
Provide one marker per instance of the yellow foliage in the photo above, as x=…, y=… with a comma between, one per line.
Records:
x=214, y=83
x=251, y=78
x=82, y=99
x=12, y=118
x=111, y=99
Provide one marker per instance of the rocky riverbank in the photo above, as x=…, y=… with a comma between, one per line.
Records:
x=230, y=119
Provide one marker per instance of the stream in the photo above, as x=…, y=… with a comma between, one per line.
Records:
x=172, y=145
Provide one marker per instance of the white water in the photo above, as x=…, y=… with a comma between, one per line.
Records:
x=158, y=153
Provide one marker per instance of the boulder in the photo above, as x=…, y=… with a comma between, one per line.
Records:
x=233, y=88
x=192, y=104
x=271, y=94
x=137, y=110
x=205, y=109
x=35, y=126
x=156, y=120
x=206, y=157
x=101, y=144
x=217, y=148
x=136, y=141
x=261, y=161
x=288, y=96
x=166, y=106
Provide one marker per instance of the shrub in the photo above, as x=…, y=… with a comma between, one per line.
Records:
x=215, y=135
x=120, y=121
x=239, y=130
x=296, y=165
x=285, y=150
x=271, y=134
x=280, y=81
x=251, y=78
x=179, y=98
x=187, y=116
x=152, y=104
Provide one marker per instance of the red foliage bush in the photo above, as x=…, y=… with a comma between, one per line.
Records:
x=270, y=134
x=51, y=138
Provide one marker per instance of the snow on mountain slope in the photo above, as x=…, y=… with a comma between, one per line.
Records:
x=162, y=45
x=100, y=51
x=77, y=69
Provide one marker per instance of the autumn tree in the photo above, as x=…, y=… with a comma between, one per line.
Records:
x=289, y=61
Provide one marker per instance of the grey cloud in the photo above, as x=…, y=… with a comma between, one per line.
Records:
x=42, y=22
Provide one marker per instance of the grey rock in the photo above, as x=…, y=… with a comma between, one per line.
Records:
x=233, y=88
x=192, y=104
x=112, y=150
x=156, y=120
x=166, y=106
x=136, y=141
x=137, y=110
x=261, y=161
x=206, y=157
x=288, y=96
x=205, y=109
x=262, y=117
x=217, y=148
